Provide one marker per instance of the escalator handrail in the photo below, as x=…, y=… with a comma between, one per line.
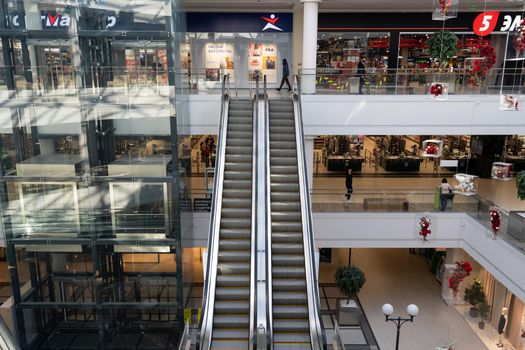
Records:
x=253, y=242
x=206, y=323
x=317, y=334
x=268, y=219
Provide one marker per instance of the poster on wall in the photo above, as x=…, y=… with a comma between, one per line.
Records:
x=263, y=58
x=219, y=60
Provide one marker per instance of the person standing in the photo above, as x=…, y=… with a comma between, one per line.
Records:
x=286, y=74
x=445, y=192
x=205, y=154
x=349, y=185
x=361, y=72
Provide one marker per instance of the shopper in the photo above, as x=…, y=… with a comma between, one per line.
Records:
x=286, y=74
x=414, y=149
x=361, y=72
x=445, y=193
x=349, y=185
x=205, y=154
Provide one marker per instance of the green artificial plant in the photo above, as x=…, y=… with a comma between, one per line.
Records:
x=520, y=184
x=475, y=294
x=484, y=310
x=442, y=46
x=349, y=280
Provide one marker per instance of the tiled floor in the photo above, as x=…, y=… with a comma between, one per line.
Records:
x=396, y=277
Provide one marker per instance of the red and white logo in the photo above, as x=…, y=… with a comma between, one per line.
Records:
x=270, y=23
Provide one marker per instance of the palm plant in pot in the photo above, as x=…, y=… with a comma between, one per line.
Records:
x=349, y=280
x=483, y=310
x=474, y=295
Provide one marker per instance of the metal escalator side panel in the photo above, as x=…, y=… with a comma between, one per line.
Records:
x=317, y=335
x=268, y=220
x=206, y=324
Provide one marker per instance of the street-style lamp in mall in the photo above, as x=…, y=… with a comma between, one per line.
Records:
x=388, y=310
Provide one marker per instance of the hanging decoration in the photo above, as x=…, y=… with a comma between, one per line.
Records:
x=445, y=9
x=432, y=148
x=424, y=227
x=508, y=103
x=477, y=68
x=462, y=269
x=467, y=184
x=442, y=46
x=439, y=91
x=495, y=221
x=519, y=39
x=501, y=171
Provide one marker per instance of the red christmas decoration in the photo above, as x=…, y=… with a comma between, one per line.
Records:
x=445, y=4
x=437, y=90
x=462, y=269
x=424, y=227
x=481, y=66
x=432, y=149
x=495, y=221
x=519, y=39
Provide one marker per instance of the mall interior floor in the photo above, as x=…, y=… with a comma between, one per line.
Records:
x=394, y=276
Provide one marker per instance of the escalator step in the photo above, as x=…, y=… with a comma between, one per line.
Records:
x=237, y=293
x=236, y=203
x=289, y=298
x=234, y=255
x=233, y=280
x=290, y=325
x=286, y=237
x=245, y=213
x=231, y=321
x=287, y=260
x=235, y=233
x=287, y=226
x=288, y=284
x=285, y=216
x=290, y=311
x=285, y=178
x=228, y=223
x=235, y=244
x=228, y=307
x=287, y=248
x=288, y=272
x=233, y=268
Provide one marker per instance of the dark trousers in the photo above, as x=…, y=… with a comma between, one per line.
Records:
x=349, y=193
x=285, y=80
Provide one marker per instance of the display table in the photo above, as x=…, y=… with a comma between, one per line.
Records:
x=339, y=163
x=516, y=227
x=395, y=163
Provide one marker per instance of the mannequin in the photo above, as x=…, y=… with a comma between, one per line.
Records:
x=502, y=325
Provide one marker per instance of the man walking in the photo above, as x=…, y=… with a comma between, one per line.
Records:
x=286, y=74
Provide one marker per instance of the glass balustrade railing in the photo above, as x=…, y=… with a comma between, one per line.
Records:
x=156, y=80
x=415, y=81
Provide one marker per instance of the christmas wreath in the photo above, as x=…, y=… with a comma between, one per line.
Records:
x=442, y=46
x=437, y=90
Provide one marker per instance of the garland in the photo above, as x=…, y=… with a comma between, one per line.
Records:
x=445, y=4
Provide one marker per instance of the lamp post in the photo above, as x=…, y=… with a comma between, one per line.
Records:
x=388, y=310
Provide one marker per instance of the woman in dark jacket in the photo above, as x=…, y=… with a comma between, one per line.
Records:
x=349, y=179
x=286, y=74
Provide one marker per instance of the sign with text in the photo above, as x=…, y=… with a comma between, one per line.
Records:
x=219, y=59
x=263, y=58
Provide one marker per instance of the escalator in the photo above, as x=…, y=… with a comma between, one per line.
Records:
x=295, y=298
x=228, y=302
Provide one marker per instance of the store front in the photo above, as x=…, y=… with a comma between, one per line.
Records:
x=240, y=44
x=395, y=50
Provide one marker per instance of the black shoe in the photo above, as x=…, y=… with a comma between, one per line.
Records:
x=289, y=90
x=278, y=89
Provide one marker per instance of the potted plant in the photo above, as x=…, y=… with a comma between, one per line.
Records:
x=349, y=280
x=474, y=295
x=483, y=310
x=520, y=184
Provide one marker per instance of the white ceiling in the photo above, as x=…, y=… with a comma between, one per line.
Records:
x=350, y=5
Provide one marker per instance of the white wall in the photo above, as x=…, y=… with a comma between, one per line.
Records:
x=384, y=115
x=399, y=230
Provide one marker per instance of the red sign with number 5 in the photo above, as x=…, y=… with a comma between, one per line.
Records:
x=485, y=23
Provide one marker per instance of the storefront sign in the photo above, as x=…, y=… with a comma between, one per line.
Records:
x=220, y=22
x=219, y=59
x=202, y=205
x=486, y=22
x=263, y=58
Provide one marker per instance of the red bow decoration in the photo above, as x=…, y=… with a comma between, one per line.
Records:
x=436, y=90
x=495, y=220
x=424, y=227
x=462, y=269
x=432, y=149
x=445, y=4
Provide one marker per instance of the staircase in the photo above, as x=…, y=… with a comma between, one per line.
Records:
x=231, y=321
x=290, y=303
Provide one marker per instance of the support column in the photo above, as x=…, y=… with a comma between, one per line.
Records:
x=311, y=12
x=309, y=150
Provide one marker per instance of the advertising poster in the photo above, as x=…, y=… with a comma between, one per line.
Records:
x=263, y=58
x=219, y=60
